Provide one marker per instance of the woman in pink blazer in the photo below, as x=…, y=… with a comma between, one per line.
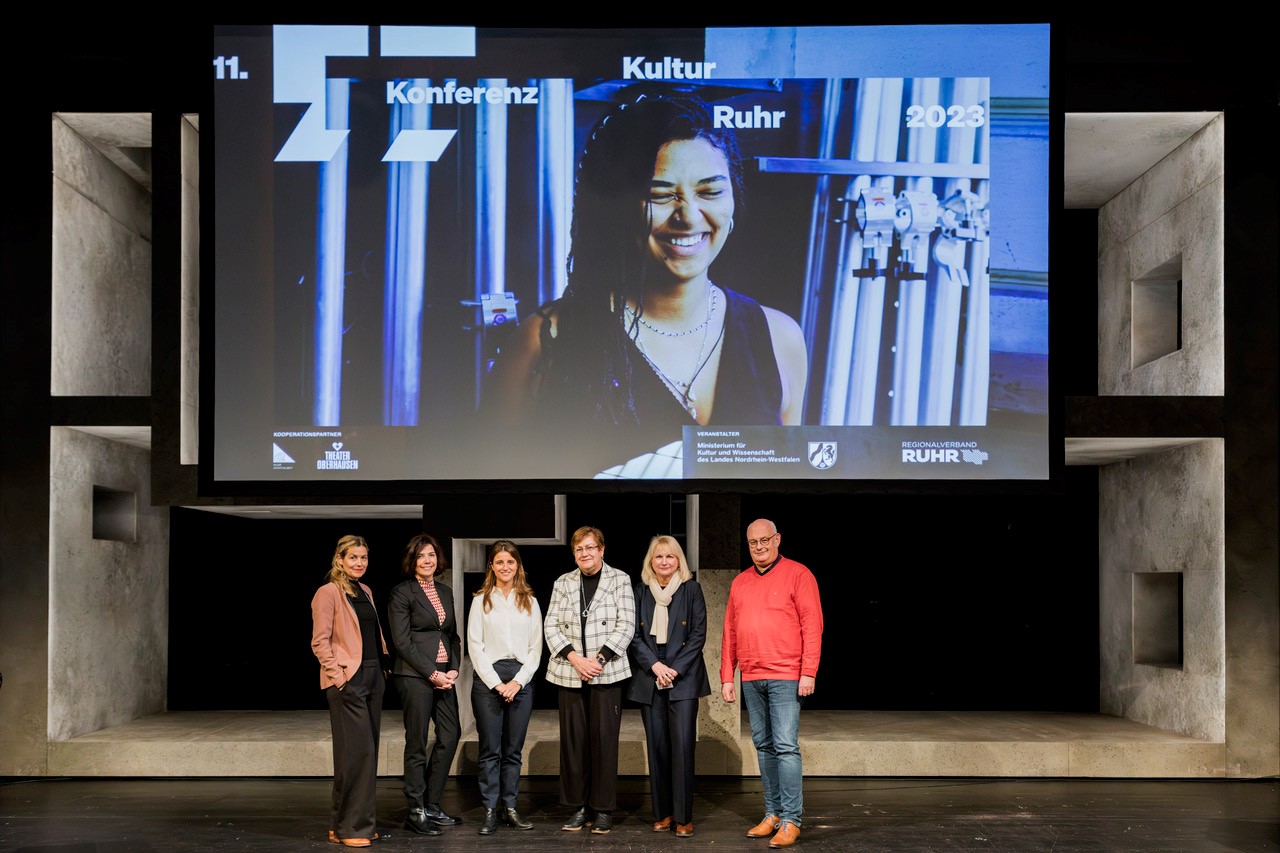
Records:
x=347, y=640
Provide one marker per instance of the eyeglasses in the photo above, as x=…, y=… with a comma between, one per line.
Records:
x=751, y=543
x=584, y=549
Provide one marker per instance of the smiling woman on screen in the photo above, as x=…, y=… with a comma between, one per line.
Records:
x=643, y=339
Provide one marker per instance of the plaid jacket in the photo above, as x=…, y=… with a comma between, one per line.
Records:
x=611, y=621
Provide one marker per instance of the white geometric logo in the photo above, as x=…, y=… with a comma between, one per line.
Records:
x=279, y=457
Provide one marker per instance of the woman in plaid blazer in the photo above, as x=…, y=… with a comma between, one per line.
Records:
x=589, y=626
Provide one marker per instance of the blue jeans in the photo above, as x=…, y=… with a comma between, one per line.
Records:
x=774, y=710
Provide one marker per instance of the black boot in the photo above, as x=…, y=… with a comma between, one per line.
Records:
x=514, y=819
x=437, y=815
x=418, y=822
x=490, y=824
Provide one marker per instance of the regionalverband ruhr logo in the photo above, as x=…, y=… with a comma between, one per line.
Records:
x=943, y=452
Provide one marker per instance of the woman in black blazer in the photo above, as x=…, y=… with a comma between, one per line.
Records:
x=424, y=632
x=668, y=678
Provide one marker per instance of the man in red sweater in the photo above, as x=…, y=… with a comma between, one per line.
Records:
x=773, y=635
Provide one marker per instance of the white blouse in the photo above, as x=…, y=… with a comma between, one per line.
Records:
x=505, y=631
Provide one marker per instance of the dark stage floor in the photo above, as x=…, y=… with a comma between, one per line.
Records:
x=841, y=814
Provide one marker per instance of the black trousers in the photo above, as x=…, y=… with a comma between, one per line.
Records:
x=671, y=732
x=425, y=776
x=355, y=715
x=590, y=721
x=501, y=727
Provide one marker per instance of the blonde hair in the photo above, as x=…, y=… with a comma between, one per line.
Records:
x=646, y=573
x=337, y=573
x=524, y=593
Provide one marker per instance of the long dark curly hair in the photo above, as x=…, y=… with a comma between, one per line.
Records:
x=586, y=365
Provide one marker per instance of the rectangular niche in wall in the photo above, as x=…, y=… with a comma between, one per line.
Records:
x=1157, y=618
x=1155, y=304
x=115, y=515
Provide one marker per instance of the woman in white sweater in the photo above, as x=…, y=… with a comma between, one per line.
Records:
x=504, y=641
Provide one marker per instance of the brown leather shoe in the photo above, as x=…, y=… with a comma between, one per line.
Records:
x=684, y=830
x=351, y=842
x=662, y=825
x=764, y=828
x=788, y=832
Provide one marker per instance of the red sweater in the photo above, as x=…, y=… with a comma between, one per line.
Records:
x=772, y=624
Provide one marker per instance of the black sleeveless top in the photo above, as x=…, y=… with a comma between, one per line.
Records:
x=748, y=386
x=572, y=435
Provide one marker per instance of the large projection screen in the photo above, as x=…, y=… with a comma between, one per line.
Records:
x=729, y=255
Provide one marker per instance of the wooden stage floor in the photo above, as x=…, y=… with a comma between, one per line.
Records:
x=841, y=815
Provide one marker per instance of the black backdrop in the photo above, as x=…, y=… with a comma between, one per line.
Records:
x=931, y=602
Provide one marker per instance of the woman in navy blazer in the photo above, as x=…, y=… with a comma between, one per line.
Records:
x=668, y=678
x=424, y=631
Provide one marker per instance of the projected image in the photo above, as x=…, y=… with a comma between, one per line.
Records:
x=495, y=258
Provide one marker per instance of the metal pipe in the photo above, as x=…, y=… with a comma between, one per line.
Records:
x=913, y=295
x=404, y=283
x=331, y=247
x=491, y=193
x=555, y=185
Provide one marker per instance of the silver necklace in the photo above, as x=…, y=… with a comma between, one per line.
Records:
x=633, y=317
x=683, y=391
